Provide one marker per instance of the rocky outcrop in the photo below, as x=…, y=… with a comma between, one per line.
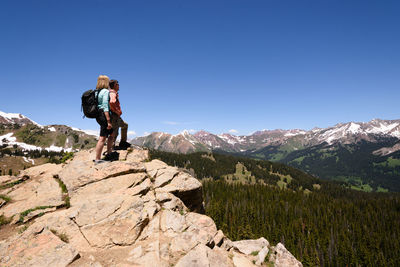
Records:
x=132, y=212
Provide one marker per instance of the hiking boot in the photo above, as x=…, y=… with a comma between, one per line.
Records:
x=124, y=145
x=111, y=156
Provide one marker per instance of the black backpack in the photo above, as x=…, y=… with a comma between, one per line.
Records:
x=89, y=104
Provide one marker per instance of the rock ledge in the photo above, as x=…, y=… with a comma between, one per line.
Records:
x=130, y=212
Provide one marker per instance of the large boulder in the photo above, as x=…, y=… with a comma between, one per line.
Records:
x=131, y=212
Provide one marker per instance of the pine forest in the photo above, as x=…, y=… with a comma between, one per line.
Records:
x=324, y=225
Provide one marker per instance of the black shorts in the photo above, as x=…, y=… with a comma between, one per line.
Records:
x=102, y=121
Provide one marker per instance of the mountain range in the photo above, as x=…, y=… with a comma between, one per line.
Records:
x=367, y=154
x=343, y=133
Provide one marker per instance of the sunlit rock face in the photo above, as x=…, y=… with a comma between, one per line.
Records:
x=131, y=212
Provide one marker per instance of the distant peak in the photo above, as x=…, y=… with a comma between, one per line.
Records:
x=202, y=133
x=16, y=118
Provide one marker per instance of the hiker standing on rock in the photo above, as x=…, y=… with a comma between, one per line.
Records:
x=103, y=118
x=116, y=119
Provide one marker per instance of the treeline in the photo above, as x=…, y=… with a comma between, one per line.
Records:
x=51, y=156
x=330, y=227
x=15, y=151
x=207, y=165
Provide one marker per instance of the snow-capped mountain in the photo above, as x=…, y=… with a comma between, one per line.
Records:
x=183, y=142
x=15, y=118
x=355, y=131
x=19, y=130
x=344, y=133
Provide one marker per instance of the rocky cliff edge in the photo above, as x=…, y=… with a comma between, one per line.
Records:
x=131, y=212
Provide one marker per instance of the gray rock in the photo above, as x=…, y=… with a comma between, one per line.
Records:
x=200, y=229
x=60, y=222
x=37, y=249
x=239, y=260
x=114, y=185
x=219, y=238
x=140, y=189
x=137, y=155
x=281, y=257
x=202, y=255
x=94, y=210
x=79, y=173
x=186, y=188
x=195, y=258
x=261, y=255
x=227, y=244
x=154, y=166
x=164, y=176
x=43, y=191
x=121, y=228
x=250, y=246
x=172, y=222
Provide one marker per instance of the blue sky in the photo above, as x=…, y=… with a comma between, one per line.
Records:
x=212, y=65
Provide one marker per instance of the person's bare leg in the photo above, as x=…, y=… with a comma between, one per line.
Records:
x=110, y=143
x=99, y=146
x=115, y=133
x=124, y=132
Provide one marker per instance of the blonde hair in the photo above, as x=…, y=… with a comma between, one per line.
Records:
x=102, y=82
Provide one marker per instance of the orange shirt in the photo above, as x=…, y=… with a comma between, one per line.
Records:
x=114, y=102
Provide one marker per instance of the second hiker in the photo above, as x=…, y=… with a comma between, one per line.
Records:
x=116, y=120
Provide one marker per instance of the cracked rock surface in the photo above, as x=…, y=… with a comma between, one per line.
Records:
x=132, y=212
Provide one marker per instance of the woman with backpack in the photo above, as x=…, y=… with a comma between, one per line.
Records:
x=103, y=118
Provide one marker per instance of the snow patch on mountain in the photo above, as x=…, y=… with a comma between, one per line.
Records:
x=228, y=138
x=11, y=116
x=89, y=132
x=383, y=128
x=29, y=160
x=291, y=133
x=354, y=128
x=9, y=139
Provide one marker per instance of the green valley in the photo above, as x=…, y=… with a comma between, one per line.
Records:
x=356, y=163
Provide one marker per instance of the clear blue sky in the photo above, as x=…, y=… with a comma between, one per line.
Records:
x=212, y=65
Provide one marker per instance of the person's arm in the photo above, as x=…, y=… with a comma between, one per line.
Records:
x=113, y=102
x=107, y=114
